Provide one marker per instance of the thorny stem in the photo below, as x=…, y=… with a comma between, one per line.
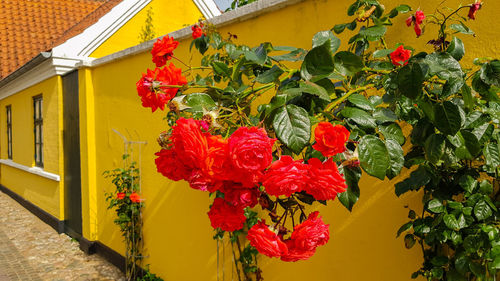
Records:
x=344, y=97
x=192, y=87
x=239, y=250
x=234, y=258
x=441, y=29
x=181, y=61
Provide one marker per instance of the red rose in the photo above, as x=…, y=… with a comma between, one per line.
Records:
x=473, y=9
x=306, y=237
x=226, y=217
x=135, y=198
x=150, y=89
x=266, y=241
x=199, y=180
x=250, y=152
x=197, y=31
x=285, y=177
x=240, y=197
x=190, y=143
x=330, y=139
x=168, y=165
x=325, y=180
x=417, y=19
x=120, y=195
x=162, y=50
x=400, y=56
x=216, y=164
x=296, y=254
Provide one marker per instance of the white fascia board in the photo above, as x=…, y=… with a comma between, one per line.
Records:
x=208, y=8
x=83, y=44
x=47, y=69
x=33, y=170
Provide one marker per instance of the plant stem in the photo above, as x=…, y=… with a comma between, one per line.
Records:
x=234, y=257
x=239, y=250
x=376, y=70
x=344, y=97
x=441, y=29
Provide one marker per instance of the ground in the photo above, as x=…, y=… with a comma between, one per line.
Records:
x=32, y=250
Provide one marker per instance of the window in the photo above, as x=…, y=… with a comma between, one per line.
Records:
x=8, y=109
x=38, y=130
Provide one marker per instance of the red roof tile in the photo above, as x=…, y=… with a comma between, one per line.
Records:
x=28, y=27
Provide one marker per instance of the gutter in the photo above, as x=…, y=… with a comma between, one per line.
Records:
x=43, y=56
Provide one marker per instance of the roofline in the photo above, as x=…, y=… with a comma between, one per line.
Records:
x=238, y=15
x=43, y=56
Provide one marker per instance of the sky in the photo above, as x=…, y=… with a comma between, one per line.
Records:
x=223, y=4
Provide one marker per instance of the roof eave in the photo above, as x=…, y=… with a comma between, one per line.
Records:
x=40, y=58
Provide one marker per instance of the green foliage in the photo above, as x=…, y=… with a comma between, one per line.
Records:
x=148, y=30
x=447, y=117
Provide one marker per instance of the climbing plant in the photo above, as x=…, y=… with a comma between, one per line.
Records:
x=283, y=127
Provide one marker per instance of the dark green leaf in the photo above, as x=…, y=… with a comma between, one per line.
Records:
x=490, y=73
x=434, y=147
x=492, y=154
x=405, y=227
x=270, y=75
x=321, y=37
x=468, y=183
x=373, y=33
x=415, y=181
x=314, y=89
x=199, y=102
x=462, y=28
x=392, y=131
x=467, y=96
x=349, y=197
x=448, y=118
x=373, y=156
x=451, y=222
x=456, y=48
x=221, y=68
x=317, y=62
x=360, y=101
x=359, y=116
x=384, y=115
x=471, y=143
x=293, y=127
x=396, y=158
x=444, y=66
x=485, y=187
x=399, y=9
x=347, y=63
x=382, y=53
x=482, y=211
x=295, y=55
x=409, y=241
x=410, y=79
x=436, y=206
x=339, y=28
x=257, y=55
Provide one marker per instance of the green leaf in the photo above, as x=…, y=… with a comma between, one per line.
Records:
x=314, y=89
x=492, y=154
x=359, y=116
x=405, y=227
x=317, y=62
x=467, y=96
x=399, y=9
x=384, y=115
x=456, y=48
x=417, y=179
x=471, y=143
x=339, y=28
x=434, y=147
x=396, y=158
x=373, y=33
x=293, y=127
x=221, y=68
x=451, y=222
x=436, y=206
x=448, y=118
x=467, y=182
x=393, y=131
x=270, y=75
x=349, y=197
x=373, y=156
x=257, y=55
x=294, y=55
x=382, y=53
x=485, y=187
x=360, y=101
x=482, y=211
x=409, y=241
x=490, y=73
x=462, y=28
x=444, y=66
x=199, y=102
x=410, y=79
x=462, y=264
x=321, y=37
x=347, y=63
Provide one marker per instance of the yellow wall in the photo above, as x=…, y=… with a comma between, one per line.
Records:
x=42, y=192
x=168, y=16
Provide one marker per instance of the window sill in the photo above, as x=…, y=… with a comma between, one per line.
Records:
x=34, y=170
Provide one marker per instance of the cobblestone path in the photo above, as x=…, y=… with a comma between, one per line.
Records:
x=32, y=250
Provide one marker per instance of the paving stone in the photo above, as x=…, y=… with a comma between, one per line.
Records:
x=32, y=250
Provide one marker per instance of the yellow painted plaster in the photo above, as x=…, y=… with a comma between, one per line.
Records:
x=42, y=192
x=168, y=16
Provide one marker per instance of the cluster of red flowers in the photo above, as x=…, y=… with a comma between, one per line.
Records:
x=238, y=165
x=197, y=31
x=134, y=197
x=301, y=245
x=417, y=19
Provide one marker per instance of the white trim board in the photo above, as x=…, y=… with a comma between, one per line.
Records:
x=208, y=8
x=33, y=170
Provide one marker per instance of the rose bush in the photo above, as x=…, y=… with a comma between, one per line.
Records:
x=355, y=101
